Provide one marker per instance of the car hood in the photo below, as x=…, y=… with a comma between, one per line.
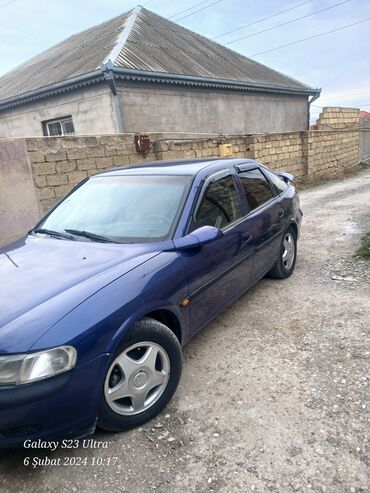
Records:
x=42, y=279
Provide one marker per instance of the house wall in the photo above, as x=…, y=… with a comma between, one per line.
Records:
x=91, y=109
x=155, y=109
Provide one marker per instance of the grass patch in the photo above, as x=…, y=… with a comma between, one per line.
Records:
x=364, y=250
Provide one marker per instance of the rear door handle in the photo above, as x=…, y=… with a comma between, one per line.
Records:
x=247, y=237
x=281, y=213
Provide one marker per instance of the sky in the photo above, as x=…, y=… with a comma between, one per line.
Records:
x=337, y=62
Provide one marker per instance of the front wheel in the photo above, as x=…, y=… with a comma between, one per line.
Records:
x=285, y=263
x=142, y=377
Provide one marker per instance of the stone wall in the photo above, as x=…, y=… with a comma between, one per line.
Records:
x=330, y=153
x=338, y=118
x=285, y=151
x=59, y=163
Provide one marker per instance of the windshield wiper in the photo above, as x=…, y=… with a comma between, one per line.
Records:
x=90, y=236
x=50, y=232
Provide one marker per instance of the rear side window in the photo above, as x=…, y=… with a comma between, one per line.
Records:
x=256, y=187
x=278, y=184
x=219, y=206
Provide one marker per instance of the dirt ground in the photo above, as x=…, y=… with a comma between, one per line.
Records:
x=275, y=392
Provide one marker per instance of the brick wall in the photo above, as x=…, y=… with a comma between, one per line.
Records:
x=338, y=118
x=281, y=151
x=59, y=163
x=330, y=153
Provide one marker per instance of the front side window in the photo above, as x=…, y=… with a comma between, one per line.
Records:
x=219, y=206
x=60, y=126
x=256, y=187
x=123, y=208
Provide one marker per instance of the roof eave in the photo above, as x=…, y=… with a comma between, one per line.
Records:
x=53, y=89
x=150, y=77
x=176, y=79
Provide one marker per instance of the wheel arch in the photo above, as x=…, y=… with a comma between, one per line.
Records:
x=167, y=318
x=294, y=227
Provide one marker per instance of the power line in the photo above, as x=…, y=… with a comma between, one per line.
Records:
x=344, y=71
x=199, y=10
x=189, y=8
x=320, y=107
x=351, y=94
x=263, y=19
x=288, y=22
x=312, y=37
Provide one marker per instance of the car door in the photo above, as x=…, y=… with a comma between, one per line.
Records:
x=267, y=213
x=218, y=271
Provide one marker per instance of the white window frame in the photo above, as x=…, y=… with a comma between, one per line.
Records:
x=61, y=121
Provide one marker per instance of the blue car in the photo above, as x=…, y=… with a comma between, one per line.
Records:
x=98, y=299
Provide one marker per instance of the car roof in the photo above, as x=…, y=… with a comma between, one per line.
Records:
x=178, y=167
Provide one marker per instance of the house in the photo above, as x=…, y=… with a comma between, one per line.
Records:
x=140, y=72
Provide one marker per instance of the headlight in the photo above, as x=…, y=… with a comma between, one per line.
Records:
x=26, y=368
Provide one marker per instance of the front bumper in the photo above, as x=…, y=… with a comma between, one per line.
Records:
x=59, y=407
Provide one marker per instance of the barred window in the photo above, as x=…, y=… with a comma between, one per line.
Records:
x=59, y=126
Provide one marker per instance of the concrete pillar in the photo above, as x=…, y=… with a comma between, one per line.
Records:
x=19, y=208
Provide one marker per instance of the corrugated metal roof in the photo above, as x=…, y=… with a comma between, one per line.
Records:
x=77, y=55
x=140, y=40
x=159, y=45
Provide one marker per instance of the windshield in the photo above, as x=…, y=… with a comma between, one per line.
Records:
x=124, y=208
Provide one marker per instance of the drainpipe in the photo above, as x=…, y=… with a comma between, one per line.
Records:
x=310, y=101
x=107, y=70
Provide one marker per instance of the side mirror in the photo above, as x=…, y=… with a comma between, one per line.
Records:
x=287, y=177
x=199, y=237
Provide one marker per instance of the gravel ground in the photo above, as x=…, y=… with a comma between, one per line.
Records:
x=274, y=395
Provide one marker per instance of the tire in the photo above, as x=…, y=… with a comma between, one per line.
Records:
x=283, y=268
x=141, y=378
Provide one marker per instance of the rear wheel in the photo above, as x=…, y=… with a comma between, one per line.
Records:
x=285, y=264
x=142, y=377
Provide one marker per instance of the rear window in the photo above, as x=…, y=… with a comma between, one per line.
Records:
x=278, y=184
x=256, y=188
